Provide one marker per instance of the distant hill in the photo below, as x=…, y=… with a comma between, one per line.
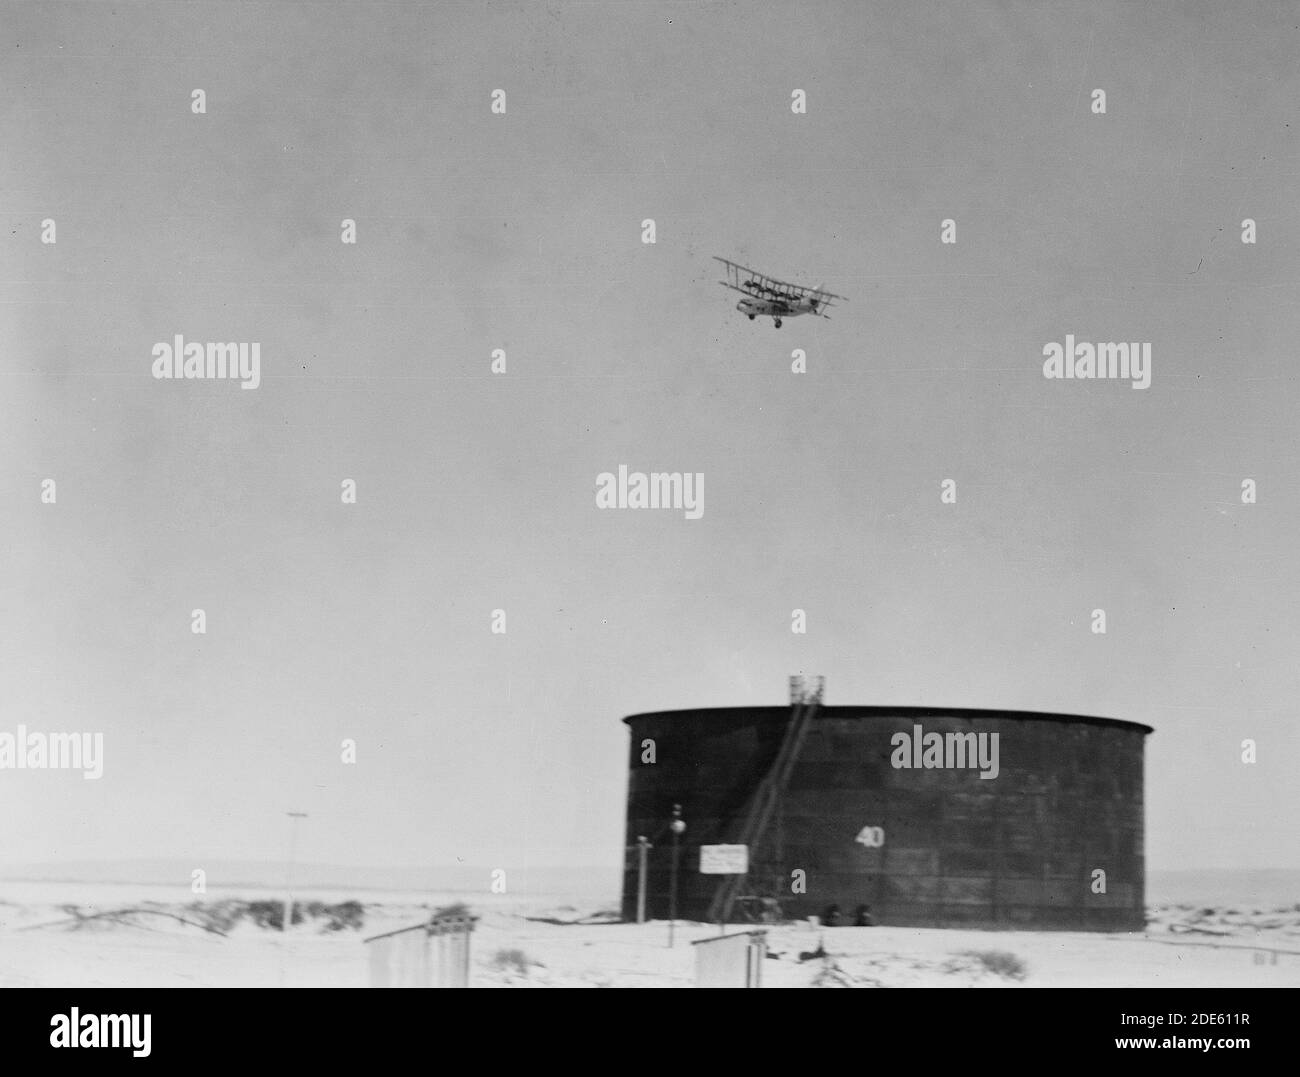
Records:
x=1244, y=888
x=600, y=881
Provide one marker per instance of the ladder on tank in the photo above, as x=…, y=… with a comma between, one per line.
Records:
x=805, y=698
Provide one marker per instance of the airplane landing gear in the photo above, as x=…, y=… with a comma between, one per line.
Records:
x=752, y=317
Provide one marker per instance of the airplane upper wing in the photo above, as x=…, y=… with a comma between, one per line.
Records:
x=744, y=279
x=736, y=266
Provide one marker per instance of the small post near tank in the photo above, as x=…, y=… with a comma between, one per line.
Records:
x=288, y=875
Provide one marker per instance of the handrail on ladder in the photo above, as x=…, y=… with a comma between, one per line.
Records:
x=764, y=802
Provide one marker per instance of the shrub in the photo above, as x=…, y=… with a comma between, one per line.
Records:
x=269, y=915
x=511, y=961
x=998, y=962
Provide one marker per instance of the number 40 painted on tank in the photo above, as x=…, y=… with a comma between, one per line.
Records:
x=873, y=837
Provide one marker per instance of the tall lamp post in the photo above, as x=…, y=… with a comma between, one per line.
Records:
x=288, y=880
x=677, y=827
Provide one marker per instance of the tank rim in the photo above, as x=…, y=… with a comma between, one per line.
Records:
x=878, y=711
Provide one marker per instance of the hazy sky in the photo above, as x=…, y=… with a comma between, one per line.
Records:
x=474, y=492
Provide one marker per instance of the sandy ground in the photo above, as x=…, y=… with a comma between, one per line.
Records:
x=1184, y=946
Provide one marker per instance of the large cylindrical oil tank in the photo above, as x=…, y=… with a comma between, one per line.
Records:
x=1034, y=822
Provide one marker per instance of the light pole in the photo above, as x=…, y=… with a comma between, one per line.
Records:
x=288, y=878
x=642, y=847
x=676, y=826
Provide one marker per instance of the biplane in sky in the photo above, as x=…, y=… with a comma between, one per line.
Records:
x=775, y=299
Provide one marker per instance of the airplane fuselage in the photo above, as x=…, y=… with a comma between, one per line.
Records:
x=776, y=308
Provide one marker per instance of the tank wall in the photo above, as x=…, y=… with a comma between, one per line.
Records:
x=1016, y=850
